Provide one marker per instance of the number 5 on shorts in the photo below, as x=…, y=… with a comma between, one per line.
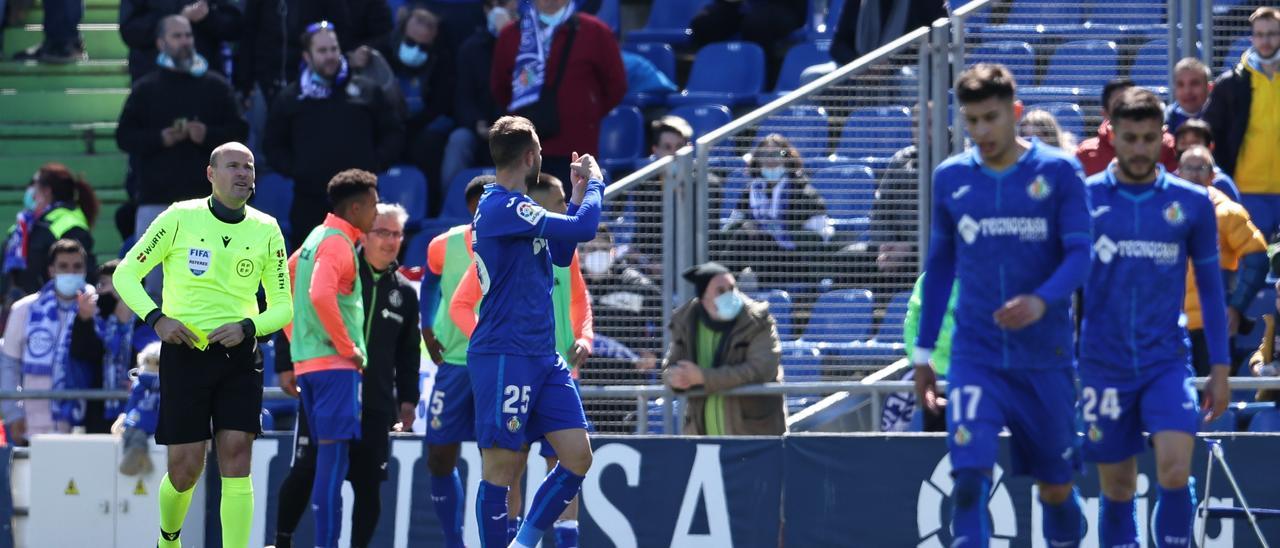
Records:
x=972, y=395
x=1109, y=406
x=437, y=403
x=515, y=394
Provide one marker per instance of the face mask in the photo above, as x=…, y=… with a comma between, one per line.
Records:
x=772, y=174
x=29, y=198
x=68, y=285
x=497, y=18
x=412, y=55
x=554, y=18
x=728, y=305
x=597, y=262
x=107, y=304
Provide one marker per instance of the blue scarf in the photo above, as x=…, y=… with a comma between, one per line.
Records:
x=15, y=247
x=117, y=340
x=767, y=207
x=143, y=409
x=530, y=72
x=199, y=65
x=315, y=86
x=48, y=351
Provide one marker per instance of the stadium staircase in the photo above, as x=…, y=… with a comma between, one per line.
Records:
x=65, y=113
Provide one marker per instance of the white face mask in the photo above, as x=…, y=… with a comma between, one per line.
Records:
x=728, y=305
x=597, y=262
x=773, y=174
x=554, y=18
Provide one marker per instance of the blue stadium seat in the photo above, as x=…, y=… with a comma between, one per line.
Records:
x=780, y=308
x=730, y=73
x=849, y=191
x=621, y=138
x=830, y=19
x=455, y=197
x=415, y=250
x=664, y=59
x=894, y=315
x=1020, y=57
x=405, y=185
x=873, y=134
x=1038, y=21
x=1225, y=423
x=273, y=195
x=801, y=362
x=1141, y=19
x=1069, y=115
x=840, y=316
x=805, y=126
x=1234, y=53
x=703, y=118
x=609, y=13
x=801, y=56
x=668, y=22
x=1150, y=67
x=1085, y=64
x=1266, y=421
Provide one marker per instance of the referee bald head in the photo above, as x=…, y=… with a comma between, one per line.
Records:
x=232, y=174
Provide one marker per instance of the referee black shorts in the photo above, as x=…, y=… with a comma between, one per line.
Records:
x=203, y=391
x=369, y=454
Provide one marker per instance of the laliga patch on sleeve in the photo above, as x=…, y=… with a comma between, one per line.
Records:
x=530, y=212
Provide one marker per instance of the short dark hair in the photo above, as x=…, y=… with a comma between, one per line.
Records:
x=1196, y=125
x=108, y=268
x=984, y=81
x=1138, y=104
x=1115, y=85
x=509, y=138
x=350, y=184
x=545, y=183
x=312, y=30
x=475, y=188
x=162, y=26
x=66, y=246
x=669, y=124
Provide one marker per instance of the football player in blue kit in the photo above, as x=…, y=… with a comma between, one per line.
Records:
x=1135, y=368
x=523, y=389
x=1011, y=221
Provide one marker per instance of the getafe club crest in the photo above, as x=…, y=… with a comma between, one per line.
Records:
x=1039, y=189
x=513, y=424
x=1173, y=214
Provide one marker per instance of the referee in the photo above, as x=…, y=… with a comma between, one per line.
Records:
x=215, y=253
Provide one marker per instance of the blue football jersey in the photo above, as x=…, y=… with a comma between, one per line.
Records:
x=516, y=243
x=1143, y=237
x=1005, y=234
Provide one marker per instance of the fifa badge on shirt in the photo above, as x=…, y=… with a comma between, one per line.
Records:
x=1095, y=433
x=1039, y=189
x=198, y=261
x=1173, y=213
x=513, y=425
x=962, y=435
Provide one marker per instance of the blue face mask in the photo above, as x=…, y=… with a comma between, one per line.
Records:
x=29, y=198
x=68, y=285
x=773, y=174
x=412, y=55
x=554, y=18
x=728, y=305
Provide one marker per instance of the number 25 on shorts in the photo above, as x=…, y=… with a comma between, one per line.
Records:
x=515, y=395
x=1091, y=407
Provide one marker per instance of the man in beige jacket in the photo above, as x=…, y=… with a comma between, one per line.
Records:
x=719, y=341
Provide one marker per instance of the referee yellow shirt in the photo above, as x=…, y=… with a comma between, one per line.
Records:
x=212, y=269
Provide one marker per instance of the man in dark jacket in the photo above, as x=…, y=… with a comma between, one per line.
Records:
x=213, y=21
x=270, y=44
x=865, y=25
x=473, y=106
x=425, y=70
x=392, y=339
x=172, y=121
x=326, y=122
x=594, y=81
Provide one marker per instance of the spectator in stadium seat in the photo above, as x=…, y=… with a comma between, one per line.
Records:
x=626, y=307
x=171, y=122
x=212, y=21
x=109, y=343
x=765, y=22
x=33, y=358
x=1244, y=112
x=270, y=42
x=667, y=135
x=327, y=122
x=66, y=208
x=591, y=79
x=473, y=104
x=1096, y=153
x=1192, y=82
x=1042, y=125
x=427, y=77
x=1266, y=361
x=722, y=340
x=868, y=24
x=1242, y=252
x=1195, y=132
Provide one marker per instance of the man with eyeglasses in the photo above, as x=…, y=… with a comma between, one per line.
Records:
x=1244, y=112
x=1242, y=252
x=391, y=375
x=327, y=121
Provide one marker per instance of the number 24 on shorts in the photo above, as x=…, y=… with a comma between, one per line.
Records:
x=515, y=394
x=1108, y=407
